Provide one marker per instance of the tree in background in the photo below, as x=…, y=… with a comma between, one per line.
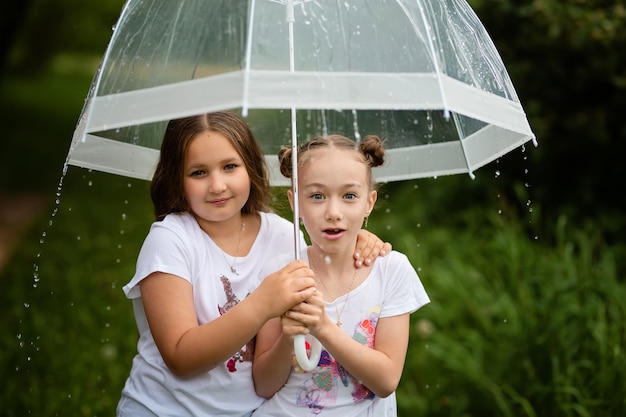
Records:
x=566, y=60
x=34, y=31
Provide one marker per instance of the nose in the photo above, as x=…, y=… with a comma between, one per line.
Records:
x=217, y=185
x=333, y=210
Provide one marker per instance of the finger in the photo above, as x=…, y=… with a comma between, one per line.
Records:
x=295, y=266
x=292, y=326
x=363, y=246
x=386, y=249
x=298, y=318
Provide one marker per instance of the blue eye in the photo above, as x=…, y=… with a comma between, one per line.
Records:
x=317, y=196
x=230, y=167
x=350, y=196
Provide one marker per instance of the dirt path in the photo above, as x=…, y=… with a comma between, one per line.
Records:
x=17, y=212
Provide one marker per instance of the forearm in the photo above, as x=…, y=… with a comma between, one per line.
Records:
x=271, y=369
x=204, y=347
x=372, y=368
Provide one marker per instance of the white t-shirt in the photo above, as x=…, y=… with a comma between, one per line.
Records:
x=392, y=288
x=177, y=245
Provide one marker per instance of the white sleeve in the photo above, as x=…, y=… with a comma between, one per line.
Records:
x=163, y=250
x=404, y=292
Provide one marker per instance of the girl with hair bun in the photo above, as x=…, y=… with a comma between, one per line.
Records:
x=360, y=316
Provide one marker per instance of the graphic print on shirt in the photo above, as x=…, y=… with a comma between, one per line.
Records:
x=321, y=389
x=246, y=353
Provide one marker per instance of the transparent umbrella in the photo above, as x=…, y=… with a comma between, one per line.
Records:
x=422, y=74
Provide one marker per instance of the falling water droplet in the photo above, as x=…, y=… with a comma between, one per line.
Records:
x=355, y=126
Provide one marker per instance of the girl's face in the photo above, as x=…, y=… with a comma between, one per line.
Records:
x=216, y=183
x=334, y=198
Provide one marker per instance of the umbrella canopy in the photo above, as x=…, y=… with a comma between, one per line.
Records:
x=422, y=74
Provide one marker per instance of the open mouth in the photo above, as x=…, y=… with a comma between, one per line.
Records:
x=333, y=231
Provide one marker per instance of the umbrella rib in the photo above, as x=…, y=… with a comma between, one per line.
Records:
x=246, y=75
x=446, y=111
x=461, y=137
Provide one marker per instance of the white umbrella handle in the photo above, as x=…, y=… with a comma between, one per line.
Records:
x=299, y=345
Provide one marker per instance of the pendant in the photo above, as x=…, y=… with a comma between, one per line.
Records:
x=339, y=323
x=234, y=271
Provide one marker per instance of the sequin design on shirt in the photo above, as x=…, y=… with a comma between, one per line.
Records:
x=246, y=353
x=321, y=389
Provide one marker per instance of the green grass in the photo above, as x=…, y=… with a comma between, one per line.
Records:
x=517, y=328
x=70, y=331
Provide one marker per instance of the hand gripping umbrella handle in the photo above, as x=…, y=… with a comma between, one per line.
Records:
x=299, y=345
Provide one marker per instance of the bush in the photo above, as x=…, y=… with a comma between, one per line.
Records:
x=516, y=328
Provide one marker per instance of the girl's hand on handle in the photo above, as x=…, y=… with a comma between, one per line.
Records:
x=306, y=317
x=369, y=247
x=284, y=289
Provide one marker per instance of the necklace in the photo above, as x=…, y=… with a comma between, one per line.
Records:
x=232, y=265
x=343, y=307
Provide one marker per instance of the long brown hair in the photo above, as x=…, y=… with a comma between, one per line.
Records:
x=166, y=188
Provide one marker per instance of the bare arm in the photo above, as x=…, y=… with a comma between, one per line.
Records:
x=273, y=356
x=187, y=347
x=380, y=368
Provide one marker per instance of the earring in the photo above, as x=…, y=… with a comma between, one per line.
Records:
x=301, y=222
x=365, y=226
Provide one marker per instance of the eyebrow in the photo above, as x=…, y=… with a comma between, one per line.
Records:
x=222, y=162
x=347, y=185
